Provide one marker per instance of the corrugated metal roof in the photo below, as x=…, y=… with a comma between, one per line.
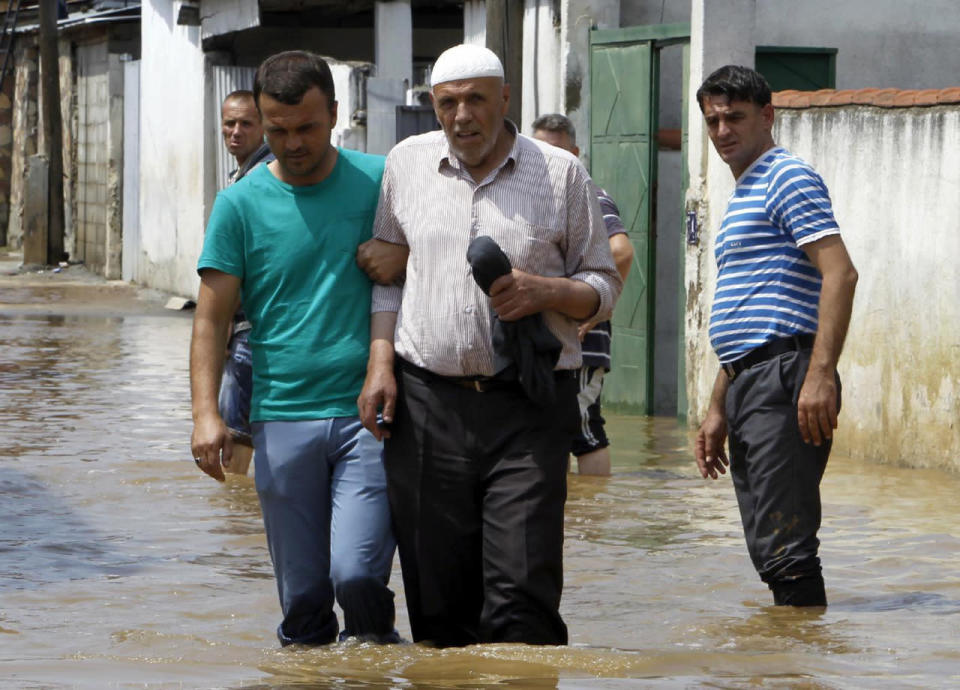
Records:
x=105, y=13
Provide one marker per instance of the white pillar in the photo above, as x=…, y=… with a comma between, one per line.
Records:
x=475, y=22
x=541, y=62
x=393, y=39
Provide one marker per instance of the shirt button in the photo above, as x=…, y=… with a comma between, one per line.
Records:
x=468, y=309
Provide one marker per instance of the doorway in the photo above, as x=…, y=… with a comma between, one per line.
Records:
x=628, y=148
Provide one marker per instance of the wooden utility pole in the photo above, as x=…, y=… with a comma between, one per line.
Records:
x=505, y=38
x=52, y=126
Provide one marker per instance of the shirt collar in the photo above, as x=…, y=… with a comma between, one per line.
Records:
x=448, y=158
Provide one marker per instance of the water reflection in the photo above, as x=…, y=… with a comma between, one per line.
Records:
x=121, y=566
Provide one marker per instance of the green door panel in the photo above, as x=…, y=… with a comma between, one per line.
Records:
x=621, y=154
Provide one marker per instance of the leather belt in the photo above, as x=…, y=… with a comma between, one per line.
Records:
x=481, y=384
x=768, y=351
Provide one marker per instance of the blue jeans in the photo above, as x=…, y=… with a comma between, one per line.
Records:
x=323, y=495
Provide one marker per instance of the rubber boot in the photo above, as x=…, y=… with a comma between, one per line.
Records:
x=807, y=591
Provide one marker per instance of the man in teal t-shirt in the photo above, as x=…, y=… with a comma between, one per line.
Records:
x=285, y=237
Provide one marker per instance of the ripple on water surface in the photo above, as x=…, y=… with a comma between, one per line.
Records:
x=121, y=566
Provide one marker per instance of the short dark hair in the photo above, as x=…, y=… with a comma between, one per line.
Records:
x=737, y=83
x=555, y=122
x=240, y=95
x=286, y=76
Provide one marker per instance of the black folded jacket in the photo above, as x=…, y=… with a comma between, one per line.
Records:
x=526, y=343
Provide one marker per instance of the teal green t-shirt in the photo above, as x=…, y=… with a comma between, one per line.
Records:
x=294, y=249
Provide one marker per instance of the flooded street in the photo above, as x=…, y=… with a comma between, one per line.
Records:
x=121, y=565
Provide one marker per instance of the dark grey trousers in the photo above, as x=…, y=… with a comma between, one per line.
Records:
x=477, y=486
x=777, y=478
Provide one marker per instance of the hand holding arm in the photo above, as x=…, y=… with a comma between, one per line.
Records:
x=384, y=262
x=817, y=404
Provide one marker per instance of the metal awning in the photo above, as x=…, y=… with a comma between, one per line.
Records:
x=121, y=12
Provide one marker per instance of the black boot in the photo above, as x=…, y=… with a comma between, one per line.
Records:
x=807, y=591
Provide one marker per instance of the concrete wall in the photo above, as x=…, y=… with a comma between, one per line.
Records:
x=99, y=159
x=881, y=43
x=894, y=177
x=173, y=164
x=25, y=114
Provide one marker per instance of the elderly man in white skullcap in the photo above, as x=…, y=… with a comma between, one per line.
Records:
x=476, y=468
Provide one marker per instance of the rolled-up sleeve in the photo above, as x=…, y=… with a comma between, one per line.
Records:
x=387, y=227
x=588, y=257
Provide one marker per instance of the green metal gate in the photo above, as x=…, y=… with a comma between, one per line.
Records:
x=624, y=85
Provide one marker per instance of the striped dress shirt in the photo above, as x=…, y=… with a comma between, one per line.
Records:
x=539, y=205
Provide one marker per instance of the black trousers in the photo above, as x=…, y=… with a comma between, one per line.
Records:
x=777, y=478
x=477, y=486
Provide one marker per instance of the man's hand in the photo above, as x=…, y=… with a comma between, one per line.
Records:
x=518, y=294
x=585, y=328
x=212, y=445
x=817, y=406
x=379, y=393
x=384, y=262
x=710, y=453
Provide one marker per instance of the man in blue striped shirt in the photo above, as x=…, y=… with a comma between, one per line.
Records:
x=784, y=293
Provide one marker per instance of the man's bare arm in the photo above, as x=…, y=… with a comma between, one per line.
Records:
x=622, y=250
x=817, y=407
x=380, y=387
x=216, y=303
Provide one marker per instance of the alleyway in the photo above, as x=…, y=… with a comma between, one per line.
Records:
x=122, y=566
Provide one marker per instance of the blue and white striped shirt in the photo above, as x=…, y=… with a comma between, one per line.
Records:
x=767, y=288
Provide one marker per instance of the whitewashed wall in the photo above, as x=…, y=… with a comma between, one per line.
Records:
x=880, y=43
x=894, y=177
x=173, y=173
x=541, y=57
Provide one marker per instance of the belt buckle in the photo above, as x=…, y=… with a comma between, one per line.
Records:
x=731, y=372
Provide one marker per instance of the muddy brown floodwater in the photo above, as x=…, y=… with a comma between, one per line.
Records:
x=122, y=567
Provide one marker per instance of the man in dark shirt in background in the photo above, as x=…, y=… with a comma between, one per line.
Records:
x=591, y=446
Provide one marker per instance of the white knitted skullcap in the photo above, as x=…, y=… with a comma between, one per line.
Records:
x=465, y=61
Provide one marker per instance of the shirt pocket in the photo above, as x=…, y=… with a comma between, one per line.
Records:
x=540, y=253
